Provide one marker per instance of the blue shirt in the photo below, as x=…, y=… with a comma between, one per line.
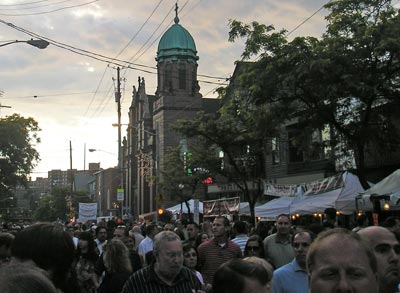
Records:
x=290, y=278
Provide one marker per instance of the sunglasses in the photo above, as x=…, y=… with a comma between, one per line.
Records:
x=303, y=244
x=253, y=248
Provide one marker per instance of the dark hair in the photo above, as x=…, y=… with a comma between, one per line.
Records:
x=199, y=238
x=98, y=228
x=49, y=247
x=231, y=276
x=240, y=227
x=390, y=222
x=150, y=228
x=256, y=238
x=91, y=254
x=283, y=215
x=193, y=223
x=312, y=235
x=225, y=219
x=187, y=247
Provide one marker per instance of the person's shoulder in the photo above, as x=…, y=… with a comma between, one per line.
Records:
x=233, y=244
x=205, y=244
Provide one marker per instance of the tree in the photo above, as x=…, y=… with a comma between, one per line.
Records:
x=178, y=173
x=18, y=156
x=52, y=206
x=240, y=133
x=339, y=80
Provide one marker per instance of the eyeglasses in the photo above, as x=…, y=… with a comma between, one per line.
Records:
x=253, y=248
x=303, y=244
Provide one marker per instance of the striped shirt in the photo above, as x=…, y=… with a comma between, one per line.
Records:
x=147, y=281
x=212, y=255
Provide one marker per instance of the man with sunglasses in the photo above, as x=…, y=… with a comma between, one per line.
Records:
x=292, y=277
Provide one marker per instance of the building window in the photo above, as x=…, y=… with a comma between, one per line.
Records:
x=182, y=78
x=275, y=147
x=296, y=154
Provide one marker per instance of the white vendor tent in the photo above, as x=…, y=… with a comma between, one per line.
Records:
x=275, y=207
x=390, y=186
x=341, y=196
x=177, y=208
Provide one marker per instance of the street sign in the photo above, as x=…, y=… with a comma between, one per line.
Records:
x=120, y=194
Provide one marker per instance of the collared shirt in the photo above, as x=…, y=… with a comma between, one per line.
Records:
x=290, y=278
x=145, y=246
x=146, y=280
x=212, y=255
x=277, y=252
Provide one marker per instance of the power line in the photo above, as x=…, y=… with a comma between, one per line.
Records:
x=307, y=19
x=90, y=54
x=50, y=11
x=22, y=4
x=39, y=6
x=123, y=49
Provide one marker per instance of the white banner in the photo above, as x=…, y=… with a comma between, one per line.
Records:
x=87, y=211
x=324, y=185
x=280, y=190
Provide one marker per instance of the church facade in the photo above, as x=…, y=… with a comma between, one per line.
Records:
x=150, y=134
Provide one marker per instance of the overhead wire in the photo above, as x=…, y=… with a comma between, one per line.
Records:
x=307, y=19
x=23, y=4
x=34, y=7
x=96, y=56
x=50, y=11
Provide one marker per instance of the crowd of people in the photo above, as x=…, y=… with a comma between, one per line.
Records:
x=217, y=257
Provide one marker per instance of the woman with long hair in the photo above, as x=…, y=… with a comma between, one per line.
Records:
x=85, y=263
x=118, y=267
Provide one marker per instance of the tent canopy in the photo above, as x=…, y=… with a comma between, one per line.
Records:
x=337, y=192
x=389, y=185
x=274, y=208
x=342, y=199
x=177, y=208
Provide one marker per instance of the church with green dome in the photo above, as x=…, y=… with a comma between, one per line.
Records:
x=151, y=118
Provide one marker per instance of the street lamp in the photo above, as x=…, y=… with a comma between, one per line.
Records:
x=181, y=187
x=98, y=150
x=41, y=44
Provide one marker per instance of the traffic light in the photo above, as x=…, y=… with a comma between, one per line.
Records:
x=160, y=211
x=187, y=157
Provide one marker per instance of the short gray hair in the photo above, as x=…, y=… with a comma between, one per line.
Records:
x=163, y=237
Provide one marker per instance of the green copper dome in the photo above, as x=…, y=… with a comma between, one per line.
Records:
x=176, y=44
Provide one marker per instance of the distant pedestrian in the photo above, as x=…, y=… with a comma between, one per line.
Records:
x=254, y=247
x=240, y=232
x=167, y=274
x=118, y=267
x=146, y=244
x=292, y=277
x=218, y=250
x=277, y=247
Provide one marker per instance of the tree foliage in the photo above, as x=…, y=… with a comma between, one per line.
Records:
x=18, y=156
x=338, y=80
x=52, y=206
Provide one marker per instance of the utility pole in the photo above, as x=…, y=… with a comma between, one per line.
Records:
x=121, y=193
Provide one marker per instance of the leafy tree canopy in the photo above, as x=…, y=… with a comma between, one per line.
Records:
x=337, y=80
x=18, y=156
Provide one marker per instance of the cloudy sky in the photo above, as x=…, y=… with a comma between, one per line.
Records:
x=71, y=95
